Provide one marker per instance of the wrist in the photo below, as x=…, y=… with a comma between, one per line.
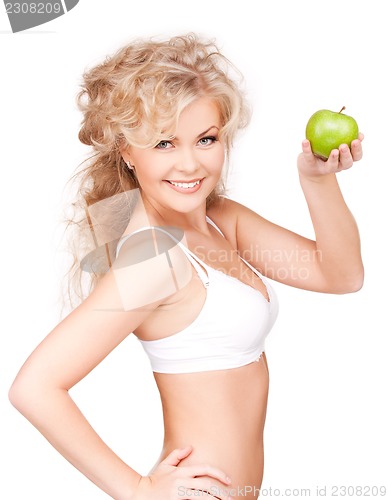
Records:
x=325, y=179
x=128, y=491
x=139, y=493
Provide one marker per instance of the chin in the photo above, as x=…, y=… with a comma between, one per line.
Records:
x=186, y=208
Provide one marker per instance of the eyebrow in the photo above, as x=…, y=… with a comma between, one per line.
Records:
x=206, y=131
x=201, y=134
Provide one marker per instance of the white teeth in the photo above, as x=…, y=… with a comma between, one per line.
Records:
x=185, y=185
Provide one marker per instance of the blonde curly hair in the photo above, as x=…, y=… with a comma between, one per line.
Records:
x=135, y=97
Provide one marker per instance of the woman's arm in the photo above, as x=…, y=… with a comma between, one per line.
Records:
x=72, y=349
x=332, y=263
x=65, y=356
x=337, y=238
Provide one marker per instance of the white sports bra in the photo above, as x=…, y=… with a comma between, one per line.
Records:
x=229, y=331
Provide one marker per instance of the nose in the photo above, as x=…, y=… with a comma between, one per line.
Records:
x=188, y=161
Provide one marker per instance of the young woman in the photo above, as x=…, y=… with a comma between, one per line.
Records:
x=185, y=270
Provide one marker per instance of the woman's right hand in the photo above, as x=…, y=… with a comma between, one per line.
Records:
x=170, y=482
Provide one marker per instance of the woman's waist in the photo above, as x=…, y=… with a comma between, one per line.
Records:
x=225, y=433
x=233, y=399
x=241, y=460
x=204, y=419
x=218, y=432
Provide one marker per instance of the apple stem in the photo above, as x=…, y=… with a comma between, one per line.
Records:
x=343, y=107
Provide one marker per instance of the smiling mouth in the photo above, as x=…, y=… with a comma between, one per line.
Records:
x=185, y=185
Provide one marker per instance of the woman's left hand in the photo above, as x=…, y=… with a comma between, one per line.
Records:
x=342, y=158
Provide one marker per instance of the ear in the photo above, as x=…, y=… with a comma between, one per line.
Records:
x=125, y=154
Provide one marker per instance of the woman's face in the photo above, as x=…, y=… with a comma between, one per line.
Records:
x=181, y=172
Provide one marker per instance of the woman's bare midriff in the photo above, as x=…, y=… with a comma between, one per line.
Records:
x=221, y=413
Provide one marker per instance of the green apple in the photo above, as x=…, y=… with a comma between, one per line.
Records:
x=327, y=130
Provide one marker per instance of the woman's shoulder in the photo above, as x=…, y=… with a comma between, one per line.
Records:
x=150, y=267
x=224, y=212
x=225, y=205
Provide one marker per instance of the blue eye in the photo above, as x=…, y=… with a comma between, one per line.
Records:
x=207, y=141
x=163, y=145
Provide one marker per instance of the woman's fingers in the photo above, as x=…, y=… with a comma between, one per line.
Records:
x=356, y=147
x=339, y=159
x=332, y=163
x=177, y=455
x=206, y=478
x=178, y=483
x=346, y=158
x=214, y=488
x=309, y=156
x=207, y=470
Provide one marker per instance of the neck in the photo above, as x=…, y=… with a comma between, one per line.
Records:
x=194, y=220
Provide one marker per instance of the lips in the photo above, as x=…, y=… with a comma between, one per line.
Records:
x=185, y=186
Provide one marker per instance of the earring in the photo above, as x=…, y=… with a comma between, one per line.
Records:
x=129, y=165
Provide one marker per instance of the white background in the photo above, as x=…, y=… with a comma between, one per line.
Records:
x=327, y=413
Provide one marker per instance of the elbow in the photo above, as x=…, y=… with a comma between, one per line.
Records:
x=358, y=284
x=350, y=285
x=353, y=287
x=357, y=281
x=15, y=397
x=29, y=392
x=24, y=394
x=18, y=395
